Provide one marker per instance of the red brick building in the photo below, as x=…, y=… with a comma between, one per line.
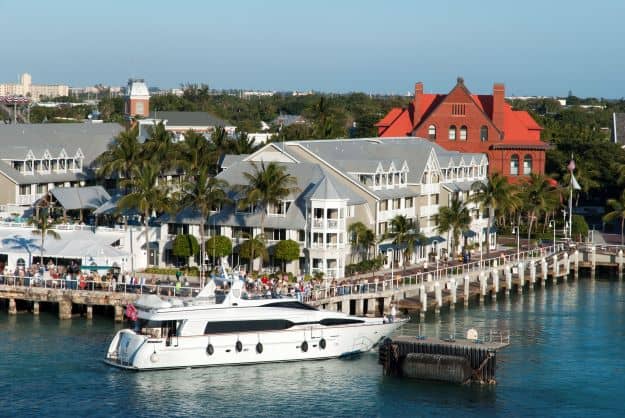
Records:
x=467, y=122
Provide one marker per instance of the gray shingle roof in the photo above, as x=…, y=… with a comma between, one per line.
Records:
x=71, y=198
x=17, y=140
x=190, y=119
x=325, y=190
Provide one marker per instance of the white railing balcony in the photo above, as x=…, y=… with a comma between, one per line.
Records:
x=335, y=224
x=317, y=222
x=316, y=245
x=28, y=199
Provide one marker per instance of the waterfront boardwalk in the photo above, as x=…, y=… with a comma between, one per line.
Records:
x=424, y=292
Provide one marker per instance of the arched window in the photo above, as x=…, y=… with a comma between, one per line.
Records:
x=527, y=165
x=514, y=165
x=463, y=133
x=484, y=133
x=452, y=133
x=432, y=132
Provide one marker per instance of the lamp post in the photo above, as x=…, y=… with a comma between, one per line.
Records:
x=552, y=224
x=515, y=230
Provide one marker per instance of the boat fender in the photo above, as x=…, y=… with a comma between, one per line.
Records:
x=210, y=349
x=322, y=343
x=154, y=357
x=239, y=346
x=304, y=346
x=259, y=348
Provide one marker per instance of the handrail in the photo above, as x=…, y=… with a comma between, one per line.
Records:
x=442, y=274
x=76, y=284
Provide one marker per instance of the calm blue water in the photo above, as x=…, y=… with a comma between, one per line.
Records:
x=567, y=359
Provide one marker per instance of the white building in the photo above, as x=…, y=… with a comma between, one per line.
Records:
x=340, y=182
x=25, y=87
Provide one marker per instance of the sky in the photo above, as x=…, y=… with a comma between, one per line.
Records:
x=535, y=47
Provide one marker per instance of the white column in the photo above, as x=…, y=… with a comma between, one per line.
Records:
x=521, y=272
x=467, y=281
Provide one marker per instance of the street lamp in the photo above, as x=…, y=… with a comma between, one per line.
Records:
x=552, y=224
x=515, y=230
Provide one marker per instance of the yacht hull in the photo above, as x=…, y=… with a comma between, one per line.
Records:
x=132, y=351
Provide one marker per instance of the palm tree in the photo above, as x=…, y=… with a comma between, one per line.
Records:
x=538, y=195
x=204, y=194
x=196, y=152
x=243, y=144
x=618, y=212
x=160, y=148
x=43, y=227
x=121, y=156
x=146, y=196
x=455, y=218
x=494, y=195
x=405, y=234
x=356, y=231
x=267, y=185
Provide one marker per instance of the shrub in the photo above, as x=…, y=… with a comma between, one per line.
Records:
x=286, y=251
x=185, y=245
x=221, y=245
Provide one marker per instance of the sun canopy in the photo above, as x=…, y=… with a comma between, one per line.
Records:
x=72, y=198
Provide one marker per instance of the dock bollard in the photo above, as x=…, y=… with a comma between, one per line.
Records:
x=544, y=270
x=495, y=276
x=508, y=273
x=438, y=294
x=424, y=301
x=482, y=286
x=453, y=286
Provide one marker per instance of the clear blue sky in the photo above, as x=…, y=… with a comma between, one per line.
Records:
x=536, y=47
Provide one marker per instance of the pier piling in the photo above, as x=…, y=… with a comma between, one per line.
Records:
x=12, y=307
x=521, y=274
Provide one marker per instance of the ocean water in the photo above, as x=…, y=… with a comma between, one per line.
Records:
x=567, y=358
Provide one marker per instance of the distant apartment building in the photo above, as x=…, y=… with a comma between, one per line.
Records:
x=40, y=157
x=25, y=87
x=340, y=182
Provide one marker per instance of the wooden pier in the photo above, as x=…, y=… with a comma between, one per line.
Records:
x=456, y=361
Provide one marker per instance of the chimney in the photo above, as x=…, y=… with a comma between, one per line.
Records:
x=499, y=94
x=418, y=103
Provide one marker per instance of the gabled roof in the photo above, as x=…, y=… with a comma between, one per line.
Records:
x=189, y=119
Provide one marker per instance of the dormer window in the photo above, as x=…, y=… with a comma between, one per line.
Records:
x=242, y=208
x=484, y=133
x=280, y=209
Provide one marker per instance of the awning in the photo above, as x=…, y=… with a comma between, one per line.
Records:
x=72, y=198
x=437, y=238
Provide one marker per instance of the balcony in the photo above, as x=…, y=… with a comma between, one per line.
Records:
x=28, y=199
x=320, y=223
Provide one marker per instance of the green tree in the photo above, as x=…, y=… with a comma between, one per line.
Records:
x=454, y=218
x=617, y=212
x=160, y=148
x=579, y=227
x=185, y=246
x=197, y=152
x=146, y=196
x=406, y=236
x=251, y=249
x=43, y=227
x=218, y=246
x=538, y=196
x=122, y=156
x=267, y=185
x=286, y=251
x=494, y=195
x=203, y=194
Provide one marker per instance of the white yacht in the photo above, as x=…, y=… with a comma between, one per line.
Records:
x=200, y=333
